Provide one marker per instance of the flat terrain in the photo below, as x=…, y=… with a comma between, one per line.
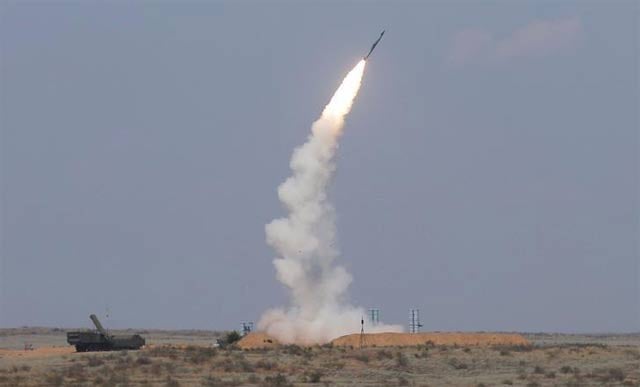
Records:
x=187, y=358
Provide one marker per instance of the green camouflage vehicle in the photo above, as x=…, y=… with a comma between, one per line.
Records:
x=101, y=340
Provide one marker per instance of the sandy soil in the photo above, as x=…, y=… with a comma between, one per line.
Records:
x=37, y=352
x=257, y=340
x=179, y=359
x=262, y=340
x=439, y=338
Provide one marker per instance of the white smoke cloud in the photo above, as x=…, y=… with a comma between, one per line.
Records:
x=305, y=240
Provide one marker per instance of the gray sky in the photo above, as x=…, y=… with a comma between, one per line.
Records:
x=488, y=173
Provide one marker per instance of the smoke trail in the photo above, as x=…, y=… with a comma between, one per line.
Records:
x=305, y=240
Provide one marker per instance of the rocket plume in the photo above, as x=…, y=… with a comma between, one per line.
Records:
x=305, y=241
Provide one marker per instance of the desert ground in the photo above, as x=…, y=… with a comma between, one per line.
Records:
x=188, y=358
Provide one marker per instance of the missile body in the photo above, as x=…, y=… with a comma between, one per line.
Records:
x=374, y=45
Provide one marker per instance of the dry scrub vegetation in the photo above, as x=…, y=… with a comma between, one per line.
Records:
x=425, y=365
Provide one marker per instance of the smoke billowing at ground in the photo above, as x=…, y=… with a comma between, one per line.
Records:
x=305, y=241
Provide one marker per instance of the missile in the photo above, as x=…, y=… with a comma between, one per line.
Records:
x=374, y=45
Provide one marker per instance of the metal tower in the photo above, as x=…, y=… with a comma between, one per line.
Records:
x=374, y=316
x=414, y=320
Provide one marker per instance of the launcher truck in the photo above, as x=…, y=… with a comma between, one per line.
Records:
x=101, y=340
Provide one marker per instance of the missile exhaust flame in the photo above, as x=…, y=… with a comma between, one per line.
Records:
x=305, y=240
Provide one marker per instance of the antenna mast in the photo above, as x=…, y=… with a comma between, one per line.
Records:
x=361, y=331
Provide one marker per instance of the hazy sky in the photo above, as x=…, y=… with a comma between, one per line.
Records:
x=488, y=175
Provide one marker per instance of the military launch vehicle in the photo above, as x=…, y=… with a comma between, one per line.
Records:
x=101, y=340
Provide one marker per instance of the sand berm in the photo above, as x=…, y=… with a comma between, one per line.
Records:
x=262, y=340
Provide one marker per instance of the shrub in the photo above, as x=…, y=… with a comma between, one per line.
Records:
x=76, y=372
x=54, y=379
x=421, y=355
x=574, y=382
x=308, y=354
x=363, y=357
x=199, y=355
x=232, y=337
x=239, y=364
x=163, y=351
x=246, y=366
x=514, y=348
x=266, y=365
x=123, y=359
x=117, y=380
x=315, y=376
x=634, y=354
x=566, y=370
x=615, y=374
x=156, y=368
x=212, y=381
x=17, y=380
x=94, y=361
x=508, y=382
x=234, y=382
x=170, y=382
x=538, y=370
x=455, y=363
x=143, y=360
x=552, y=354
x=293, y=349
x=570, y=370
x=277, y=381
x=384, y=354
x=334, y=364
x=402, y=360
x=169, y=367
